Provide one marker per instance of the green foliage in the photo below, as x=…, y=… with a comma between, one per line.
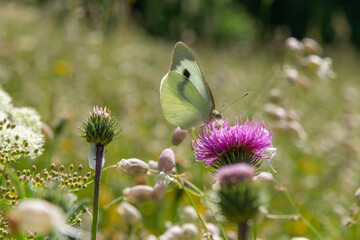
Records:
x=62, y=70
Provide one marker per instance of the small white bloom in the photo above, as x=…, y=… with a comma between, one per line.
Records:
x=5, y=101
x=163, y=179
x=26, y=117
x=92, y=156
x=325, y=70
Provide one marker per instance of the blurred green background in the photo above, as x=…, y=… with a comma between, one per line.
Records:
x=64, y=57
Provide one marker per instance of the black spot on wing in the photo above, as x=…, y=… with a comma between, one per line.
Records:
x=186, y=73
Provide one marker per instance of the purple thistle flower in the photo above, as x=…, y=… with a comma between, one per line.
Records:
x=221, y=144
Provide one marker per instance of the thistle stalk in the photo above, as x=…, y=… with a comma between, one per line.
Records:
x=243, y=231
x=99, y=154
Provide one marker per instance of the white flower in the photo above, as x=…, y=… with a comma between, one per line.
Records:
x=5, y=101
x=163, y=179
x=27, y=117
x=325, y=70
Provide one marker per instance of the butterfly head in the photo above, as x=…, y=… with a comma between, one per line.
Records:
x=215, y=114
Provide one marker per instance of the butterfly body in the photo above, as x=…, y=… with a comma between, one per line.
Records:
x=186, y=98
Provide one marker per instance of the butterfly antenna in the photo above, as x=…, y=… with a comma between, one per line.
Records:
x=234, y=102
x=222, y=107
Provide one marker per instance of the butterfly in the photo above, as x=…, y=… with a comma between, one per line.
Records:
x=185, y=96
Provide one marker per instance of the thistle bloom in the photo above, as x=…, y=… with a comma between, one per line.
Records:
x=221, y=144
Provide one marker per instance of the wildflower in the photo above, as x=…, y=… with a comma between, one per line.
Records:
x=189, y=231
x=221, y=144
x=311, y=46
x=239, y=195
x=188, y=214
x=131, y=214
x=166, y=160
x=325, y=70
x=158, y=192
x=138, y=193
x=38, y=216
x=178, y=136
x=100, y=127
x=132, y=167
x=173, y=233
x=265, y=177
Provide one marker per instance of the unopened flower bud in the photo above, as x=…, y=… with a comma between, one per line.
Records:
x=188, y=214
x=235, y=173
x=274, y=112
x=129, y=213
x=137, y=194
x=238, y=194
x=293, y=45
x=311, y=46
x=213, y=229
x=189, y=231
x=292, y=75
x=159, y=192
x=153, y=165
x=47, y=131
x=178, y=136
x=100, y=127
x=37, y=215
x=166, y=160
x=172, y=233
x=312, y=62
x=275, y=95
x=297, y=130
x=133, y=167
x=265, y=177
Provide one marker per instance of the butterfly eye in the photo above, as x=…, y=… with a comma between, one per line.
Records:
x=186, y=73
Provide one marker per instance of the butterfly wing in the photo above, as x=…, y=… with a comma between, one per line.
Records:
x=181, y=101
x=184, y=63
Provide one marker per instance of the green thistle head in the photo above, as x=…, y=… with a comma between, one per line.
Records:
x=99, y=127
x=239, y=195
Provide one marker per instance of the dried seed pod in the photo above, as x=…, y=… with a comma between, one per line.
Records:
x=179, y=136
x=166, y=160
x=130, y=214
x=137, y=194
x=133, y=167
x=159, y=192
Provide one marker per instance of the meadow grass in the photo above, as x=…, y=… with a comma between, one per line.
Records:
x=63, y=69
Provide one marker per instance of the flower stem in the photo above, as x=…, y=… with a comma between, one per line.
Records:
x=3, y=173
x=191, y=202
x=95, y=215
x=243, y=230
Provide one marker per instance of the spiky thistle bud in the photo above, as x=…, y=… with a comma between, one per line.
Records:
x=100, y=127
x=239, y=200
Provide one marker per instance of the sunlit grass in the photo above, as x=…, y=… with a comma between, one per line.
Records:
x=63, y=69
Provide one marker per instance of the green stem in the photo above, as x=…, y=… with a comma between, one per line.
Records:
x=254, y=228
x=307, y=223
x=220, y=226
x=3, y=173
x=191, y=201
x=95, y=215
x=243, y=231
